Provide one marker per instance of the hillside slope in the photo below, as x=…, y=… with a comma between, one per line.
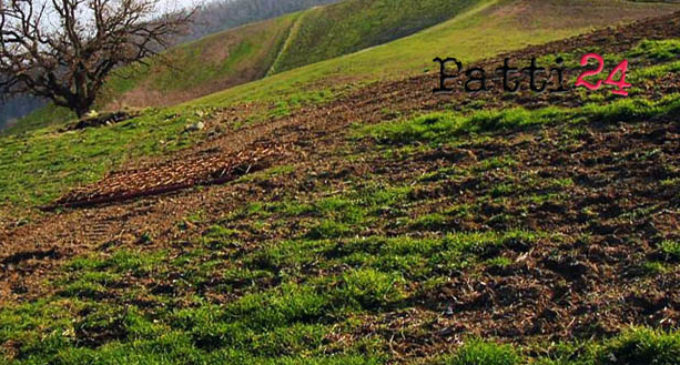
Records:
x=248, y=53
x=386, y=226
x=229, y=60
x=80, y=158
x=483, y=30
x=217, y=62
x=351, y=25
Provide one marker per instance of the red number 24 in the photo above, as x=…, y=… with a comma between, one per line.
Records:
x=620, y=85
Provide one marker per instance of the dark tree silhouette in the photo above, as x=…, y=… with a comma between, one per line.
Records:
x=63, y=50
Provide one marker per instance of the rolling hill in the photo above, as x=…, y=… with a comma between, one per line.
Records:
x=485, y=30
x=349, y=26
x=253, y=51
x=482, y=31
x=341, y=213
x=201, y=67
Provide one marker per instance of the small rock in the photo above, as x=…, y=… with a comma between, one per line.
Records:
x=195, y=127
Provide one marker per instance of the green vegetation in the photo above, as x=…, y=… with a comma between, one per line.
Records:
x=446, y=227
x=39, y=165
x=277, y=310
x=443, y=126
x=477, y=352
x=671, y=249
x=287, y=300
x=343, y=28
x=660, y=50
x=640, y=346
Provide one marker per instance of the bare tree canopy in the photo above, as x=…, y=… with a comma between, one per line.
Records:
x=63, y=50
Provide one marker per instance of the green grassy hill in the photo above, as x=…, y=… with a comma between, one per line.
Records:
x=248, y=53
x=217, y=62
x=331, y=31
x=340, y=213
x=489, y=27
x=230, y=60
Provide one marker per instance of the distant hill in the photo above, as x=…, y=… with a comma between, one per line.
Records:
x=15, y=108
x=480, y=31
x=331, y=31
x=221, y=15
x=201, y=67
x=253, y=51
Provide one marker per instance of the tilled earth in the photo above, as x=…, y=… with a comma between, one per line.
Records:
x=591, y=280
x=588, y=279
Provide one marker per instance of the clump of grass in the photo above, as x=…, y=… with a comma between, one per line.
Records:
x=218, y=235
x=499, y=261
x=431, y=222
x=329, y=229
x=122, y=261
x=267, y=174
x=641, y=346
x=652, y=268
x=478, y=352
x=562, y=183
x=494, y=163
x=371, y=289
x=649, y=73
x=671, y=249
x=502, y=190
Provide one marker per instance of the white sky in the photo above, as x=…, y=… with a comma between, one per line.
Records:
x=181, y=3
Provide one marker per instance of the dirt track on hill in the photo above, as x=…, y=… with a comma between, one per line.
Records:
x=309, y=139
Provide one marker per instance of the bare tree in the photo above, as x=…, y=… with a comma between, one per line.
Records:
x=63, y=50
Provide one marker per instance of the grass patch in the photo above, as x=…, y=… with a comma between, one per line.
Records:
x=640, y=346
x=478, y=352
x=658, y=50
x=441, y=127
x=671, y=249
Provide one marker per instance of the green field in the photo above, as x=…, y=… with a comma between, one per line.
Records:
x=487, y=230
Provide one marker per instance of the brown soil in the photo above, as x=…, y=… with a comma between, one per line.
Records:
x=590, y=280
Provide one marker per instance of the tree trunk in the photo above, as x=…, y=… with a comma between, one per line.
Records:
x=81, y=109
